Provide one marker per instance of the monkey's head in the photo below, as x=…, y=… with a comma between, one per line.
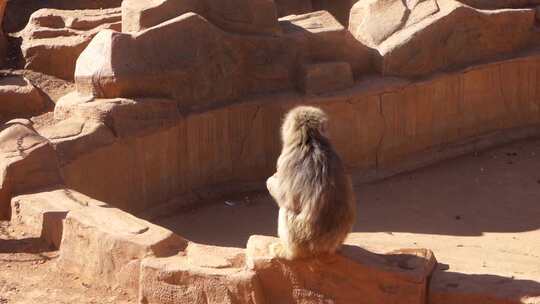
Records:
x=303, y=123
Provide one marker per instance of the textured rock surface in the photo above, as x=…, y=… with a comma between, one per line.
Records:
x=242, y=16
x=18, y=11
x=27, y=162
x=203, y=274
x=400, y=276
x=378, y=127
x=215, y=66
x=326, y=77
x=101, y=244
x=20, y=99
x=208, y=70
x=54, y=39
x=422, y=37
x=326, y=40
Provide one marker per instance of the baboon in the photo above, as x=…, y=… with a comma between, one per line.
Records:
x=317, y=206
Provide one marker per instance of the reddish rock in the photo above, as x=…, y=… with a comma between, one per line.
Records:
x=357, y=276
x=19, y=98
x=101, y=244
x=203, y=274
x=326, y=77
x=27, y=162
x=242, y=16
x=54, y=39
x=18, y=11
x=325, y=39
x=410, y=43
x=207, y=69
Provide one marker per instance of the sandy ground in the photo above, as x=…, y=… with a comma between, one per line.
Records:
x=480, y=214
x=28, y=274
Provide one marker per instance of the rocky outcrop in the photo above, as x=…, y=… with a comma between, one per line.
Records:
x=53, y=39
x=240, y=16
x=421, y=37
x=27, y=162
x=215, y=66
x=103, y=245
x=20, y=99
x=18, y=11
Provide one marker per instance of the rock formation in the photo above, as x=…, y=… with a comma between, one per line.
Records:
x=19, y=11
x=19, y=98
x=422, y=37
x=54, y=39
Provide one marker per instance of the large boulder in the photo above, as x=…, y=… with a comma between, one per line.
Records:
x=421, y=37
x=243, y=16
x=205, y=65
x=27, y=162
x=53, y=39
x=20, y=99
x=201, y=65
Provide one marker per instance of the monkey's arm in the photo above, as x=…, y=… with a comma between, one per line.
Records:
x=272, y=184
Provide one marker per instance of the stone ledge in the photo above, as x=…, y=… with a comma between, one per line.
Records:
x=398, y=277
x=102, y=244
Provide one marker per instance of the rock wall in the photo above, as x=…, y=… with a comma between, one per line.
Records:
x=378, y=126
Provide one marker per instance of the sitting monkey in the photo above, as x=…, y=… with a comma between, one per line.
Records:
x=315, y=196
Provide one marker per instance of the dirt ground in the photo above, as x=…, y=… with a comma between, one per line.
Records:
x=479, y=213
x=28, y=275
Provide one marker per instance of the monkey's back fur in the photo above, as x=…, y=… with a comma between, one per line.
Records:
x=316, y=199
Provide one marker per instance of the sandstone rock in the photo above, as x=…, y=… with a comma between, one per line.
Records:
x=18, y=11
x=410, y=42
x=73, y=137
x=326, y=77
x=27, y=162
x=54, y=39
x=103, y=245
x=19, y=98
x=325, y=39
x=356, y=277
x=3, y=40
x=204, y=274
x=209, y=69
x=242, y=16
